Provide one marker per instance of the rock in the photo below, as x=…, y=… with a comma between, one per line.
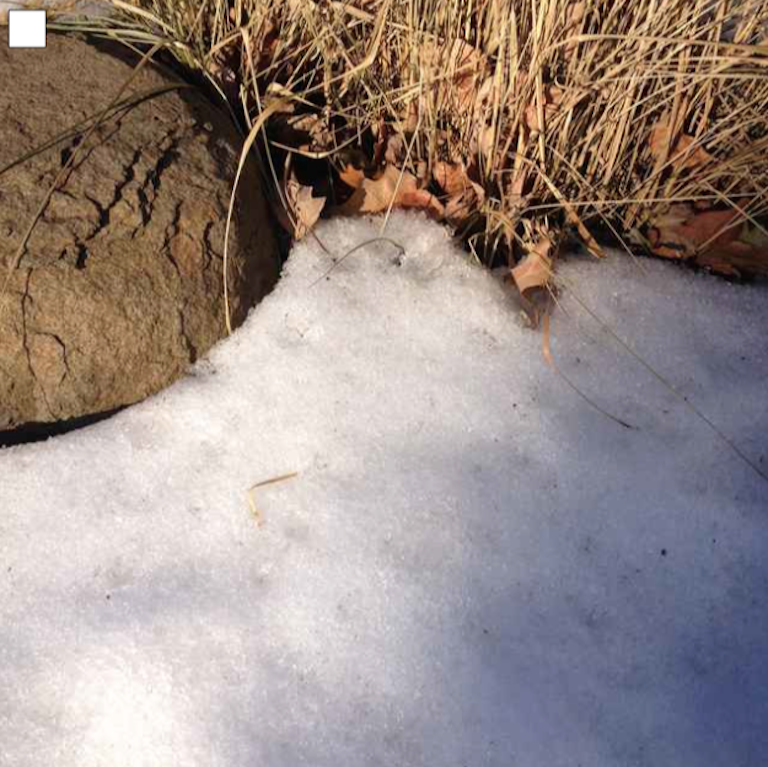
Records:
x=120, y=286
x=59, y=9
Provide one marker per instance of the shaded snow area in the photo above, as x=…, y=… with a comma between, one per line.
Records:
x=472, y=566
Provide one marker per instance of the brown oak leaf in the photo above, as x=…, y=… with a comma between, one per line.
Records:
x=391, y=188
x=535, y=269
x=686, y=154
x=720, y=240
x=303, y=210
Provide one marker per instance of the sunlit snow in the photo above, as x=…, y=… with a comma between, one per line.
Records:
x=471, y=565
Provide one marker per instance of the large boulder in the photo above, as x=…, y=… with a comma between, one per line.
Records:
x=119, y=287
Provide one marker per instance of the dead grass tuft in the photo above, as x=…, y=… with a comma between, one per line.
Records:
x=515, y=121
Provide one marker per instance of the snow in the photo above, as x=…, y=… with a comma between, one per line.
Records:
x=471, y=565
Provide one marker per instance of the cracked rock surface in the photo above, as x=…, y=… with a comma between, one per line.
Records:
x=119, y=287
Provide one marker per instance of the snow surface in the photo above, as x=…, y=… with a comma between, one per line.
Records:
x=471, y=567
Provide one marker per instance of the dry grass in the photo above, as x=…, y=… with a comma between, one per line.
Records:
x=516, y=121
x=592, y=116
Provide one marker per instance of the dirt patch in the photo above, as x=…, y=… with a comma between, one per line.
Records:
x=119, y=287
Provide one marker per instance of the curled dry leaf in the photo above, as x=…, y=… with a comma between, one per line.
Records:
x=464, y=195
x=682, y=231
x=391, y=188
x=450, y=74
x=458, y=209
x=535, y=269
x=686, y=154
x=282, y=97
x=483, y=129
x=453, y=80
x=553, y=99
x=468, y=67
x=483, y=143
x=720, y=240
x=352, y=176
x=303, y=209
x=736, y=258
x=453, y=179
x=394, y=152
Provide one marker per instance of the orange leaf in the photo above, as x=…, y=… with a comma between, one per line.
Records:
x=352, y=176
x=535, y=270
x=393, y=189
x=459, y=208
x=715, y=239
x=553, y=99
x=454, y=179
x=686, y=153
x=450, y=177
x=735, y=258
x=465, y=195
x=303, y=209
x=682, y=232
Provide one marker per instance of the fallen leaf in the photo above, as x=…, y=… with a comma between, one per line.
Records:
x=682, y=231
x=281, y=97
x=307, y=132
x=535, y=269
x=395, y=149
x=484, y=143
x=352, y=176
x=303, y=209
x=264, y=45
x=715, y=239
x=453, y=179
x=553, y=99
x=459, y=208
x=686, y=154
x=736, y=258
x=468, y=67
x=465, y=196
x=450, y=77
x=391, y=188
